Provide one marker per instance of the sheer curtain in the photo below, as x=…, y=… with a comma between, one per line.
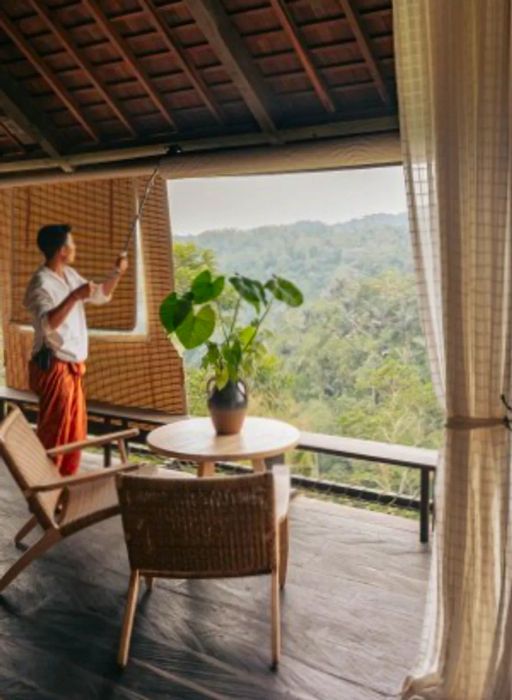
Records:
x=454, y=83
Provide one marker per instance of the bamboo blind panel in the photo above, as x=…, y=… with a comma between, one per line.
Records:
x=142, y=370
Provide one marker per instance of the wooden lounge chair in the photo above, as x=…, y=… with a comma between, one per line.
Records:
x=205, y=528
x=59, y=505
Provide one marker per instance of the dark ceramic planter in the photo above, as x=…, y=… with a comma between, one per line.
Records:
x=227, y=406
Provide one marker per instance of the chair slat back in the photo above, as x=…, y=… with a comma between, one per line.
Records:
x=29, y=464
x=199, y=528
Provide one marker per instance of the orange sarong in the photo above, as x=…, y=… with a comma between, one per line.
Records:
x=62, y=409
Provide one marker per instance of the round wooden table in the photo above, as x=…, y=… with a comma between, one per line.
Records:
x=195, y=440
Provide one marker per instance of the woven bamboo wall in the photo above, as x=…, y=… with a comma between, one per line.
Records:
x=123, y=368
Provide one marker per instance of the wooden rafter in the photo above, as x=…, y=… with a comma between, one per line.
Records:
x=19, y=106
x=78, y=56
x=288, y=23
x=365, y=46
x=61, y=91
x=186, y=66
x=8, y=131
x=214, y=23
x=129, y=57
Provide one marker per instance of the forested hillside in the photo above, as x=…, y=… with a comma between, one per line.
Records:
x=352, y=360
x=311, y=251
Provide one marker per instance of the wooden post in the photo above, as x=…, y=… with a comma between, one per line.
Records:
x=125, y=426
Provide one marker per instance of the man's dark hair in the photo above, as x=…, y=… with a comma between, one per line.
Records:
x=51, y=238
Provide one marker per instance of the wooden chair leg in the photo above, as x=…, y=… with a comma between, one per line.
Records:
x=259, y=466
x=129, y=614
x=123, y=451
x=150, y=581
x=276, y=621
x=29, y=525
x=49, y=538
x=284, y=534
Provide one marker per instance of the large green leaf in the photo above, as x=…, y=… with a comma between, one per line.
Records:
x=205, y=288
x=173, y=311
x=197, y=328
x=246, y=335
x=250, y=290
x=285, y=291
x=221, y=377
x=218, y=286
x=232, y=352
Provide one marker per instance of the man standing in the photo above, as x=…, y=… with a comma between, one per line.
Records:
x=55, y=297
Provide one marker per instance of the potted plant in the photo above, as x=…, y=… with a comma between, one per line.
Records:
x=213, y=313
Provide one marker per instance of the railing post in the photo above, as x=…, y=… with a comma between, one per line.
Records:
x=424, y=505
x=125, y=426
x=107, y=449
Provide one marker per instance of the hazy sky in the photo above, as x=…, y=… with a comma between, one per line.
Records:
x=244, y=202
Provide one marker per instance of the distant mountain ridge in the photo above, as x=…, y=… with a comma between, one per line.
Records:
x=312, y=253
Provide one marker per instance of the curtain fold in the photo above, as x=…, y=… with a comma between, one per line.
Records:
x=454, y=84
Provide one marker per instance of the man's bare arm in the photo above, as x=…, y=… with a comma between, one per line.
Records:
x=109, y=285
x=59, y=314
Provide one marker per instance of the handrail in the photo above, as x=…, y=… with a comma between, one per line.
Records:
x=405, y=456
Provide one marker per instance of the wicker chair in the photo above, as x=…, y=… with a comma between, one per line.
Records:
x=60, y=505
x=205, y=528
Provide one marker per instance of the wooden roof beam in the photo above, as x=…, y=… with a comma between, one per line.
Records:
x=186, y=66
x=228, y=46
x=9, y=132
x=365, y=46
x=129, y=57
x=288, y=23
x=78, y=56
x=25, y=47
x=19, y=106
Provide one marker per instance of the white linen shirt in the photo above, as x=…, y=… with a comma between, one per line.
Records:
x=45, y=291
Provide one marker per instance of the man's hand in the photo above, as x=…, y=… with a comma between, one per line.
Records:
x=113, y=279
x=83, y=292
x=122, y=263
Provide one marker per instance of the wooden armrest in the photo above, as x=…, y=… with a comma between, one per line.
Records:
x=93, y=442
x=85, y=478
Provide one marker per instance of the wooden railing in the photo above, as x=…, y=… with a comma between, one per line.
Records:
x=104, y=416
x=383, y=453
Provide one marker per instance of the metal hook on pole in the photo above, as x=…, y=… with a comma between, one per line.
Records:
x=147, y=190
